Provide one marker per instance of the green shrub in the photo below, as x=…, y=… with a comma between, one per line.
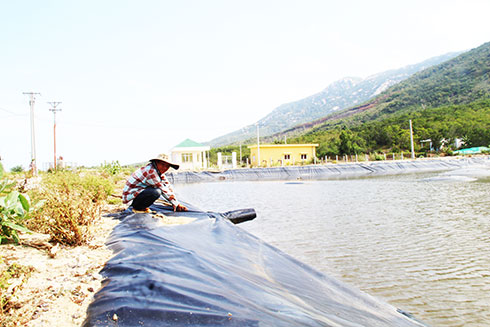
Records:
x=112, y=168
x=15, y=209
x=376, y=157
x=17, y=169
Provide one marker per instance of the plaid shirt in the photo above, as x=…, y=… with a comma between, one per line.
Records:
x=148, y=176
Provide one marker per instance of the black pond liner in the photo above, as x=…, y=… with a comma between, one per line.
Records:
x=211, y=272
x=325, y=172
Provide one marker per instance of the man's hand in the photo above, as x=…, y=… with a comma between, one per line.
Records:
x=180, y=207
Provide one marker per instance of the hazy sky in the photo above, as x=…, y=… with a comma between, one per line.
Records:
x=136, y=78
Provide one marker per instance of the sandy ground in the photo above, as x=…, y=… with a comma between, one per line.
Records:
x=63, y=280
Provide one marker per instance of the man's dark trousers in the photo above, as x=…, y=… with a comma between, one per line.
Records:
x=146, y=198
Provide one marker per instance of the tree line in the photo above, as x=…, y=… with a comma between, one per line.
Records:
x=391, y=133
x=442, y=125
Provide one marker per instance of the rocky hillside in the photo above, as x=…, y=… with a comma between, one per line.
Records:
x=461, y=80
x=339, y=95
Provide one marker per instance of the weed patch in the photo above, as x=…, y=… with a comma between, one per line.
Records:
x=72, y=205
x=12, y=277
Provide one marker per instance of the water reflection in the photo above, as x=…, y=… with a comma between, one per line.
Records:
x=420, y=241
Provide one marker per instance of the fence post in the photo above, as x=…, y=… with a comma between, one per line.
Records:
x=220, y=162
x=233, y=160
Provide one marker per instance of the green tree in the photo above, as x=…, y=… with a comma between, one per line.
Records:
x=477, y=137
x=350, y=143
x=329, y=148
x=17, y=169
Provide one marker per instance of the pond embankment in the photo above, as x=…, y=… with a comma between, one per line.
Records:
x=329, y=171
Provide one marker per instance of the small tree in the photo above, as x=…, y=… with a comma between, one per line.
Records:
x=17, y=169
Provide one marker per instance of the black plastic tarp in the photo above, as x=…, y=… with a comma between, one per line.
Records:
x=210, y=272
x=327, y=171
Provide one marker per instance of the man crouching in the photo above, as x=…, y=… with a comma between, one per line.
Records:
x=148, y=183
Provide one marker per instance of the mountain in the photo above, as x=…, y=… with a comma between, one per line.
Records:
x=339, y=95
x=446, y=102
x=461, y=80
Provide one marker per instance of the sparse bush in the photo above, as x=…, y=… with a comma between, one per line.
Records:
x=9, y=272
x=72, y=205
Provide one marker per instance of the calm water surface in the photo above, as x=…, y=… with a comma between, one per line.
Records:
x=420, y=242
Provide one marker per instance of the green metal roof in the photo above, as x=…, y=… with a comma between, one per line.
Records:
x=474, y=150
x=188, y=143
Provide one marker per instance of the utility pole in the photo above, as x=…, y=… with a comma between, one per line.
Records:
x=411, y=140
x=32, y=101
x=54, y=110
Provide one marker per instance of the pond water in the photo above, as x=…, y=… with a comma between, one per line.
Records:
x=420, y=242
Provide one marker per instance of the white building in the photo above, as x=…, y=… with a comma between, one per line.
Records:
x=190, y=155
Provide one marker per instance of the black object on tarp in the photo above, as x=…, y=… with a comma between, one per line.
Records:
x=210, y=272
x=240, y=216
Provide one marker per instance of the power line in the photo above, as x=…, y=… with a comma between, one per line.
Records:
x=11, y=112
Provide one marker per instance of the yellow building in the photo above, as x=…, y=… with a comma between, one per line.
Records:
x=282, y=154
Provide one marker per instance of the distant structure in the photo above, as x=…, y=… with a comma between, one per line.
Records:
x=226, y=161
x=282, y=154
x=191, y=155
